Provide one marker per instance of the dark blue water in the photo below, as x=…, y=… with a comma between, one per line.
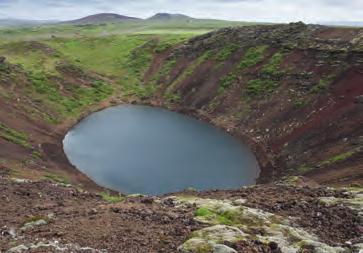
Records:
x=140, y=149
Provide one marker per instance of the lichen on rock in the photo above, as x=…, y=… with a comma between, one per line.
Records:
x=354, y=199
x=233, y=222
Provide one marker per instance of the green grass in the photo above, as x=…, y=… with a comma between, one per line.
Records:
x=164, y=71
x=204, y=212
x=337, y=158
x=300, y=103
x=168, y=41
x=57, y=178
x=139, y=90
x=32, y=56
x=14, y=136
x=104, y=55
x=185, y=27
x=323, y=84
x=172, y=97
x=226, y=82
x=258, y=87
x=253, y=56
x=303, y=169
x=226, y=52
x=110, y=198
x=186, y=73
x=273, y=66
x=224, y=218
x=71, y=104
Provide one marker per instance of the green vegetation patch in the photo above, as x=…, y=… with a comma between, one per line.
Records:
x=105, y=55
x=204, y=212
x=323, y=84
x=164, y=70
x=300, y=103
x=225, y=218
x=304, y=168
x=337, y=158
x=139, y=90
x=226, y=82
x=110, y=198
x=57, y=178
x=253, y=56
x=168, y=41
x=79, y=96
x=140, y=59
x=258, y=87
x=273, y=66
x=226, y=52
x=170, y=94
x=14, y=136
x=32, y=56
x=172, y=97
x=331, y=161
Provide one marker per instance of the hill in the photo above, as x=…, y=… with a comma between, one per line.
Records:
x=100, y=18
x=344, y=23
x=168, y=17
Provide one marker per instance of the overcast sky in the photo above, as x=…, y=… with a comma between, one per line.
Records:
x=249, y=10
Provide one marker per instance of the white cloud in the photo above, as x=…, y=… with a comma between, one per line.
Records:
x=249, y=10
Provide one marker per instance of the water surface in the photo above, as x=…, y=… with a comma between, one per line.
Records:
x=140, y=149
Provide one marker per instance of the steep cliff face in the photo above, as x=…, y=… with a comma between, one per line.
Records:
x=294, y=92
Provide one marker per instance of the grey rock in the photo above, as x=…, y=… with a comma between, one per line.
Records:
x=220, y=248
x=18, y=249
x=33, y=224
x=359, y=99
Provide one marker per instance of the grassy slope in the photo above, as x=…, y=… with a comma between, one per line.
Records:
x=118, y=54
x=118, y=59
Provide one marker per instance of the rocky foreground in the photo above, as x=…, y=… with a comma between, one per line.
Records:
x=45, y=216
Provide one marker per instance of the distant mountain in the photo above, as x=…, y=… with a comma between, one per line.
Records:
x=344, y=23
x=168, y=17
x=23, y=22
x=100, y=18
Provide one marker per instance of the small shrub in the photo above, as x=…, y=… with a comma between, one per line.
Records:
x=14, y=136
x=253, y=56
x=226, y=82
x=204, y=212
x=273, y=66
x=260, y=86
x=226, y=52
x=57, y=178
x=172, y=97
x=304, y=169
x=323, y=84
x=337, y=158
x=110, y=198
x=300, y=103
